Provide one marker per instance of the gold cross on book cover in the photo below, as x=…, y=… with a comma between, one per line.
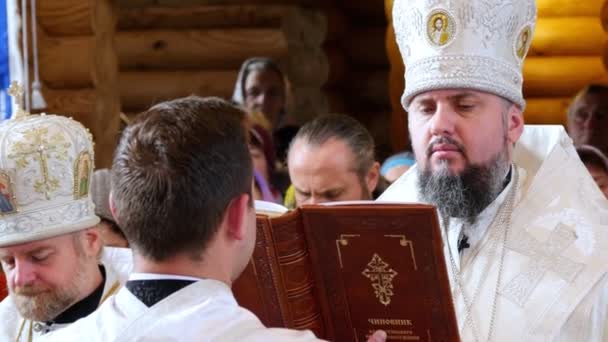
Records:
x=347, y=269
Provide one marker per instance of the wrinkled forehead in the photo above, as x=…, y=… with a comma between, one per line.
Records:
x=263, y=77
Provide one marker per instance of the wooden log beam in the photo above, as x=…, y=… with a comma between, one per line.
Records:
x=398, y=128
x=182, y=3
x=568, y=36
x=338, y=65
x=547, y=111
x=561, y=76
x=365, y=47
x=66, y=62
x=336, y=100
x=72, y=17
x=221, y=48
x=365, y=12
x=368, y=89
x=70, y=102
x=306, y=67
x=78, y=104
x=140, y=90
x=338, y=24
x=388, y=10
x=106, y=114
x=605, y=55
x=65, y=17
x=308, y=103
x=377, y=123
x=569, y=8
x=604, y=16
x=302, y=26
x=202, y=17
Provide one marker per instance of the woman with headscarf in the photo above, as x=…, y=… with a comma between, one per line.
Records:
x=262, y=89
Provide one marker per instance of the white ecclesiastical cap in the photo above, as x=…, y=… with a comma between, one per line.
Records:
x=464, y=44
x=46, y=163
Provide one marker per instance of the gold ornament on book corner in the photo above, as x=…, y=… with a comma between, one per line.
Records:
x=381, y=276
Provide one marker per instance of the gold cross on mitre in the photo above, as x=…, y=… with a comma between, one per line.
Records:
x=16, y=92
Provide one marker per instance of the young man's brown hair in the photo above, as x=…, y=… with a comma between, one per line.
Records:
x=179, y=165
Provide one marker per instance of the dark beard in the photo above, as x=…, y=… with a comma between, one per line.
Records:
x=465, y=195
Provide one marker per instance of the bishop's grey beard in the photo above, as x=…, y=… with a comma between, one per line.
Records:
x=467, y=194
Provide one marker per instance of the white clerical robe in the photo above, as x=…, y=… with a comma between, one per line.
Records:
x=554, y=283
x=205, y=310
x=117, y=263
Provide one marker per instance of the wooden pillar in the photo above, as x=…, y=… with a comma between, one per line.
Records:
x=305, y=63
x=399, y=131
x=106, y=122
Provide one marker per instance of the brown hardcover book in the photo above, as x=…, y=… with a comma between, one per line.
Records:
x=345, y=271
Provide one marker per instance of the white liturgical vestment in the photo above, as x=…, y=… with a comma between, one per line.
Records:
x=205, y=310
x=546, y=279
x=117, y=263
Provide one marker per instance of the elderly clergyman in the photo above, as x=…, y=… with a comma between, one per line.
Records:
x=49, y=250
x=525, y=227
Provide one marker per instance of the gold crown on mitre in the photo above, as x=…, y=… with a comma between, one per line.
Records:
x=46, y=163
x=471, y=44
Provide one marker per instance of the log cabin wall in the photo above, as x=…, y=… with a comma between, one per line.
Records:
x=101, y=56
x=334, y=53
x=359, y=72
x=175, y=50
x=604, y=16
x=565, y=55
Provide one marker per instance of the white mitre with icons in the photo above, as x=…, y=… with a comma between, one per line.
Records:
x=46, y=163
x=471, y=44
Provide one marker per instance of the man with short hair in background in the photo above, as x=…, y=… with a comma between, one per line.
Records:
x=332, y=159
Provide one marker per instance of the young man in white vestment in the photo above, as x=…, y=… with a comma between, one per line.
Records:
x=49, y=249
x=182, y=195
x=525, y=227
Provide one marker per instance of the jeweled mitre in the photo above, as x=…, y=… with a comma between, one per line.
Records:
x=471, y=44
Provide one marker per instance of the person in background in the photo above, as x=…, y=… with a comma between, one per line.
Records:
x=263, y=158
x=262, y=89
x=332, y=159
x=597, y=164
x=588, y=117
x=396, y=165
x=111, y=235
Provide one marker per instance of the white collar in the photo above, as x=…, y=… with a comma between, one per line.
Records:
x=156, y=276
